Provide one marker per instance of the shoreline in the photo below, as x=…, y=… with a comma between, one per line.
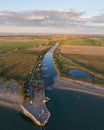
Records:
x=10, y=96
x=10, y=105
x=84, y=87
x=29, y=115
x=37, y=111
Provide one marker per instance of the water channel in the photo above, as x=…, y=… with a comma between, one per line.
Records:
x=70, y=110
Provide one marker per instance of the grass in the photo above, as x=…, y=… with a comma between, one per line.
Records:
x=84, y=41
x=13, y=45
x=98, y=41
x=94, y=62
x=63, y=63
x=88, y=58
x=22, y=42
x=17, y=65
x=15, y=61
x=89, y=63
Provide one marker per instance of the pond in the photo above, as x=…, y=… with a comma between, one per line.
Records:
x=78, y=73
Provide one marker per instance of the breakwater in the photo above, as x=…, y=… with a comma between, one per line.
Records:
x=36, y=108
x=29, y=115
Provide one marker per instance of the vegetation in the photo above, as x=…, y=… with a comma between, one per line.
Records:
x=63, y=64
x=73, y=57
x=90, y=63
x=17, y=65
x=17, y=62
x=22, y=42
x=84, y=41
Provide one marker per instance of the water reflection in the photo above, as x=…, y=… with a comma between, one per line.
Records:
x=78, y=73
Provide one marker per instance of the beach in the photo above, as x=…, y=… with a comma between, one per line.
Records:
x=74, y=85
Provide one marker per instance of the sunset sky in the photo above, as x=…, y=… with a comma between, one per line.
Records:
x=52, y=16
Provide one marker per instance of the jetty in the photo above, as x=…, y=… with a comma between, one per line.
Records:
x=36, y=109
x=34, y=106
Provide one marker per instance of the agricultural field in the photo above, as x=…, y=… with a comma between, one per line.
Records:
x=93, y=62
x=16, y=65
x=23, y=42
x=86, y=50
x=18, y=55
x=83, y=41
x=79, y=53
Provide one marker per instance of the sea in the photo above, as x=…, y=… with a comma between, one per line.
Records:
x=70, y=110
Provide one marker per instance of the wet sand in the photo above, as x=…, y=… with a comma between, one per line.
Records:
x=68, y=84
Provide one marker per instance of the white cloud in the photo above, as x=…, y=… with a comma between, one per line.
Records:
x=98, y=19
x=56, y=20
x=38, y=17
x=35, y=17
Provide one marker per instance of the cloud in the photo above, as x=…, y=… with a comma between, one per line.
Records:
x=56, y=20
x=35, y=17
x=41, y=18
x=98, y=19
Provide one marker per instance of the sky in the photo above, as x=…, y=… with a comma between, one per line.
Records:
x=52, y=16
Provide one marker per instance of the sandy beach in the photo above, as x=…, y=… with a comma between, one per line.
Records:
x=69, y=84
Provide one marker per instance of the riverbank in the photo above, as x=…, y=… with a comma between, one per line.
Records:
x=10, y=96
x=68, y=84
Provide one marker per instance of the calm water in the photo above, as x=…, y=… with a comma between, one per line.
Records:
x=70, y=110
x=77, y=73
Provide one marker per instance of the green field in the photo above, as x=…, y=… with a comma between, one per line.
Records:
x=84, y=41
x=94, y=65
x=9, y=43
x=17, y=65
x=15, y=61
x=93, y=62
